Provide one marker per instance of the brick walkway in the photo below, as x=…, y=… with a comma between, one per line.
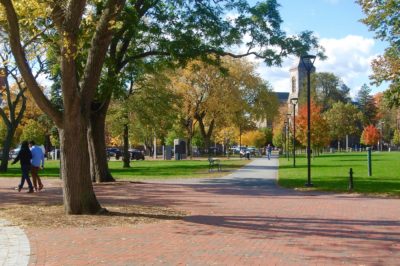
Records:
x=242, y=219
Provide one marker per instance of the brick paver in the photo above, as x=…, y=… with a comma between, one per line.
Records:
x=242, y=219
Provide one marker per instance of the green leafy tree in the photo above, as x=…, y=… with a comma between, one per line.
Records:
x=396, y=137
x=33, y=130
x=82, y=33
x=326, y=89
x=201, y=30
x=146, y=112
x=343, y=119
x=278, y=139
x=382, y=17
x=367, y=105
x=268, y=135
x=263, y=102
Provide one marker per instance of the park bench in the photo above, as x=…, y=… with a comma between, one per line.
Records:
x=212, y=163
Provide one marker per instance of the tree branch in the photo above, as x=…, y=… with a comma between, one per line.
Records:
x=26, y=72
x=99, y=46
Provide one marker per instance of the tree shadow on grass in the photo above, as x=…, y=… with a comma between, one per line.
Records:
x=303, y=166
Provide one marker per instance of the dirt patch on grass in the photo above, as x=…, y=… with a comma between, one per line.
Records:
x=53, y=216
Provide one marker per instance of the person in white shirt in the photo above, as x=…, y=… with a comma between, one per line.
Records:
x=37, y=162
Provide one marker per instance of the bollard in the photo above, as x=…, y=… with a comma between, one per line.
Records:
x=351, y=184
x=369, y=161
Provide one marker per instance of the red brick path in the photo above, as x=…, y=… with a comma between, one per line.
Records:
x=232, y=222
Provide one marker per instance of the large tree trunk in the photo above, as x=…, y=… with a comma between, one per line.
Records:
x=78, y=92
x=206, y=135
x=79, y=197
x=127, y=156
x=6, y=149
x=97, y=144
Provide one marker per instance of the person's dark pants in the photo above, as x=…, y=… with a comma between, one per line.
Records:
x=25, y=176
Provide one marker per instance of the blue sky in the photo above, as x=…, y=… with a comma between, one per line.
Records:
x=349, y=45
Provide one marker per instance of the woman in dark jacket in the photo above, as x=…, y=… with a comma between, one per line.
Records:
x=24, y=156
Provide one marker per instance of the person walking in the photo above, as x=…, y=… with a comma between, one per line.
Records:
x=269, y=151
x=24, y=156
x=247, y=153
x=37, y=163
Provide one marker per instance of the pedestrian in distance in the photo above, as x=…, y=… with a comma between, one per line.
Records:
x=268, y=149
x=24, y=157
x=247, y=153
x=37, y=163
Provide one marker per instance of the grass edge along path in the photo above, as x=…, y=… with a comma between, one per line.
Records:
x=148, y=169
x=330, y=172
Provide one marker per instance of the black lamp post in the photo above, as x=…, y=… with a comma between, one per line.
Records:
x=288, y=135
x=294, y=102
x=308, y=63
x=382, y=123
x=285, y=138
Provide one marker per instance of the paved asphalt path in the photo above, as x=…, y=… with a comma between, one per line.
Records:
x=241, y=219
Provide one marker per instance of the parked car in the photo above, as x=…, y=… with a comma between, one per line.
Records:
x=14, y=153
x=114, y=152
x=136, y=154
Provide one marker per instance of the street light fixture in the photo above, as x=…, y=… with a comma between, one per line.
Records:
x=308, y=63
x=294, y=102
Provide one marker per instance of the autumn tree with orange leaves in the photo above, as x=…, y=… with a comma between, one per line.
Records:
x=319, y=127
x=370, y=135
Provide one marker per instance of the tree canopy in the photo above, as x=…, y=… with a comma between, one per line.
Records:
x=83, y=34
x=382, y=17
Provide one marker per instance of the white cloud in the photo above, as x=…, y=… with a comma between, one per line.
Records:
x=348, y=58
x=332, y=2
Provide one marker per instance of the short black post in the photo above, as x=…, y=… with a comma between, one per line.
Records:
x=369, y=161
x=351, y=184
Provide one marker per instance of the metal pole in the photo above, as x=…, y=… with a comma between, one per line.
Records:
x=294, y=135
x=285, y=140
x=351, y=184
x=369, y=161
x=288, y=139
x=308, y=131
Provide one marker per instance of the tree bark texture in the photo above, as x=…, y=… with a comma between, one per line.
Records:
x=99, y=170
x=79, y=197
x=78, y=92
x=206, y=135
x=127, y=156
x=6, y=149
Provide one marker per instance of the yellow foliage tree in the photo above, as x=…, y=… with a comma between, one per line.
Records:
x=253, y=138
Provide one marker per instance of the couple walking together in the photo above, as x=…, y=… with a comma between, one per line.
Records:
x=30, y=160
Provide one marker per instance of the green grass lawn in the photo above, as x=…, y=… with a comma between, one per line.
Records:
x=330, y=172
x=148, y=169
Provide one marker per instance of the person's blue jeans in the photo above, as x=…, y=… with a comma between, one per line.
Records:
x=25, y=176
x=269, y=155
